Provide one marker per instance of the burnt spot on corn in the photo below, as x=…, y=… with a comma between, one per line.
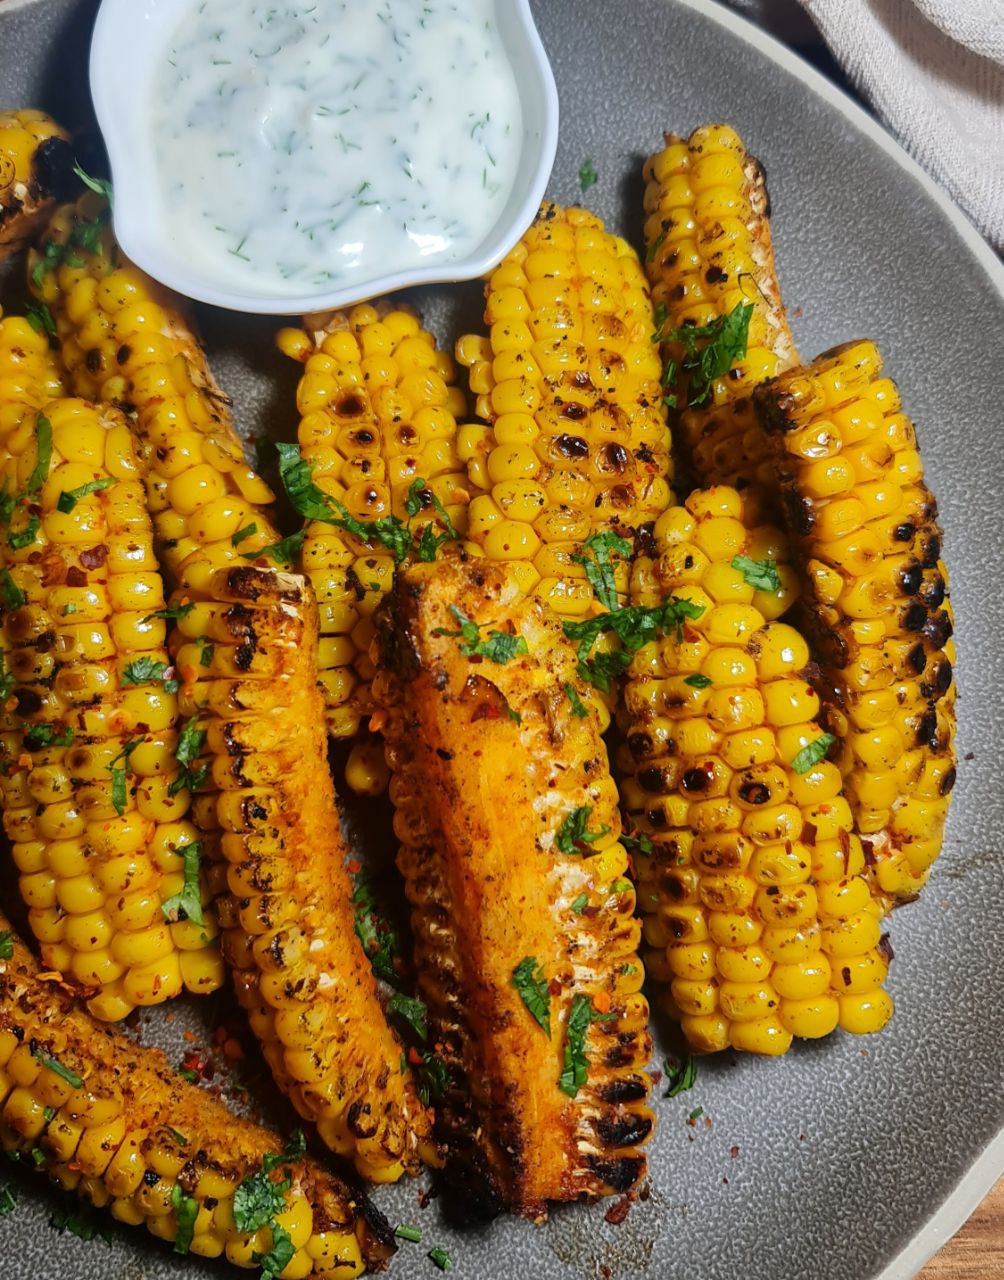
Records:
x=619, y=1175
x=623, y=1129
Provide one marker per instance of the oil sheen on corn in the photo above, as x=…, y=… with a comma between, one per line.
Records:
x=319, y=142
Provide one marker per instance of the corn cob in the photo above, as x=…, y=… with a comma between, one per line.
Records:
x=29, y=371
x=90, y=796
x=109, y=1120
x=379, y=412
x=507, y=817
x=285, y=903
x=204, y=499
x=36, y=170
x=708, y=252
x=573, y=440
x=757, y=914
x=865, y=525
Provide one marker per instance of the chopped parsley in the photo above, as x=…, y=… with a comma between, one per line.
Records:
x=186, y=1210
x=258, y=1198
x=696, y=1113
x=206, y=652
x=576, y=1065
x=680, y=1076
x=187, y=905
x=7, y=681
x=638, y=843
x=500, y=647
x=64, y=1073
x=279, y=1256
x=404, y=1232
x=6, y=945
x=38, y=736
x=572, y=833
x=283, y=552
x=18, y=539
x=529, y=981
x=811, y=755
x=191, y=740
x=710, y=350
x=13, y=596
x=698, y=681
x=654, y=247
x=634, y=626
x=599, y=570
x=69, y=498
x=579, y=708
x=148, y=671
x=40, y=318
x=7, y=1202
x=118, y=772
x=579, y=903
x=412, y=1010
x=78, y=1224
x=588, y=177
x=99, y=185
x=429, y=541
x=248, y=531
x=432, y=1078
x=295, y=472
x=761, y=575
x=379, y=939
x=172, y=613
x=43, y=456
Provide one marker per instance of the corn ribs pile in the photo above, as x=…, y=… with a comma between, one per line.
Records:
x=469, y=606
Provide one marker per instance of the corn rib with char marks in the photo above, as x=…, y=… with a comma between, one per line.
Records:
x=36, y=170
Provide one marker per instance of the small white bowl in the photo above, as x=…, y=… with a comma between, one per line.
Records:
x=129, y=37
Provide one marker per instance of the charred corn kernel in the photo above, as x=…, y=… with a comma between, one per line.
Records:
x=111, y=1120
x=877, y=602
x=753, y=897
x=285, y=902
x=709, y=250
x=78, y=809
x=475, y=731
x=568, y=383
x=36, y=170
x=379, y=409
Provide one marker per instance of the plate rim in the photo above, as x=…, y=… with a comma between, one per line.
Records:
x=988, y=1167
x=980, y=1177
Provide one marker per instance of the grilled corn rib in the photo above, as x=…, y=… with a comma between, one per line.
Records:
x=202, y=496
x=379, y=412
x=88, y=740
x=865, y=524
x=708, y=252
x=757, y=914
x=285, y=906
x=36, y=170
x=109, y=1120
x=573, y=439
x=507, y=817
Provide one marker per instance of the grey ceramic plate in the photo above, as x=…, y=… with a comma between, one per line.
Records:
x=846, y=1160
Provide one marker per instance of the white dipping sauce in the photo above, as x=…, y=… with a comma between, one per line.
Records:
x=307, y=143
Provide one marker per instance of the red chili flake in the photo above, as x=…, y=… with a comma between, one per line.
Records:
x=734, y=1152
x=970, y=755
x=353, y=867
x=94, y=557
x=414, y=1057
x=656, y=1078
x=75, y=577
x=616, y=1214
x=726, y=1181
x=194, y=1062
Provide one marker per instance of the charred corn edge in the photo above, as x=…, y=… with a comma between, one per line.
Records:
x=901, y=808
x=113, y=1123
x=269, y=809
x=379, y=408
x=607, y=464
x=757, y=913
x=94, y=879
x=36, y=162
x=591, y=949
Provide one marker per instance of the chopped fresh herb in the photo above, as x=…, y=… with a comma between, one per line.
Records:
x=599, y=570
x=696, y=1113
x=432, y=1078
x=206, y=652
x=6, y=945
x=148, y=671
x=179, y=1138
x=172, y=613
x=7, y=681
x=710, y=350
x=429, y=542
x=404, y=1232
x=572, y=833
x=279, y=1256
x=101, y=185
x=49, y=1114
x=191, y=740
x=634, y=626
x=40, y=318
x=283, y=552
x=500, y=647
x=654, y=247
x=43, y=456
x=186, y=1210
x=79, y=1224
x=295, y=473
x=38, y=736
x=441, y=1258
x=697, y=681
x=579, y=903
x=619, y=886
x=512, y=713
x=37, y=1156
x=387, y=532
x=579, y=708
x=680, y=1076
x=69, y=498
x=811, y=755
x=13, y=596
x=187, y=905
x=258, y=1197
x=638, y=843
x=69, y=609
x=529, y=981
x=379, y=939
x=248, y=531
x=118, y=772
x=186, y=1074
x=576, y=1065
x=588, y=177
x=762, y=575
x=412, y=1010
x=18, y=539
x=660, y=316
x=64, y=1073
x=7, y=1202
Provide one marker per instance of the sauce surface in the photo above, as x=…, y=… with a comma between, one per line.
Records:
x=309, y=144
